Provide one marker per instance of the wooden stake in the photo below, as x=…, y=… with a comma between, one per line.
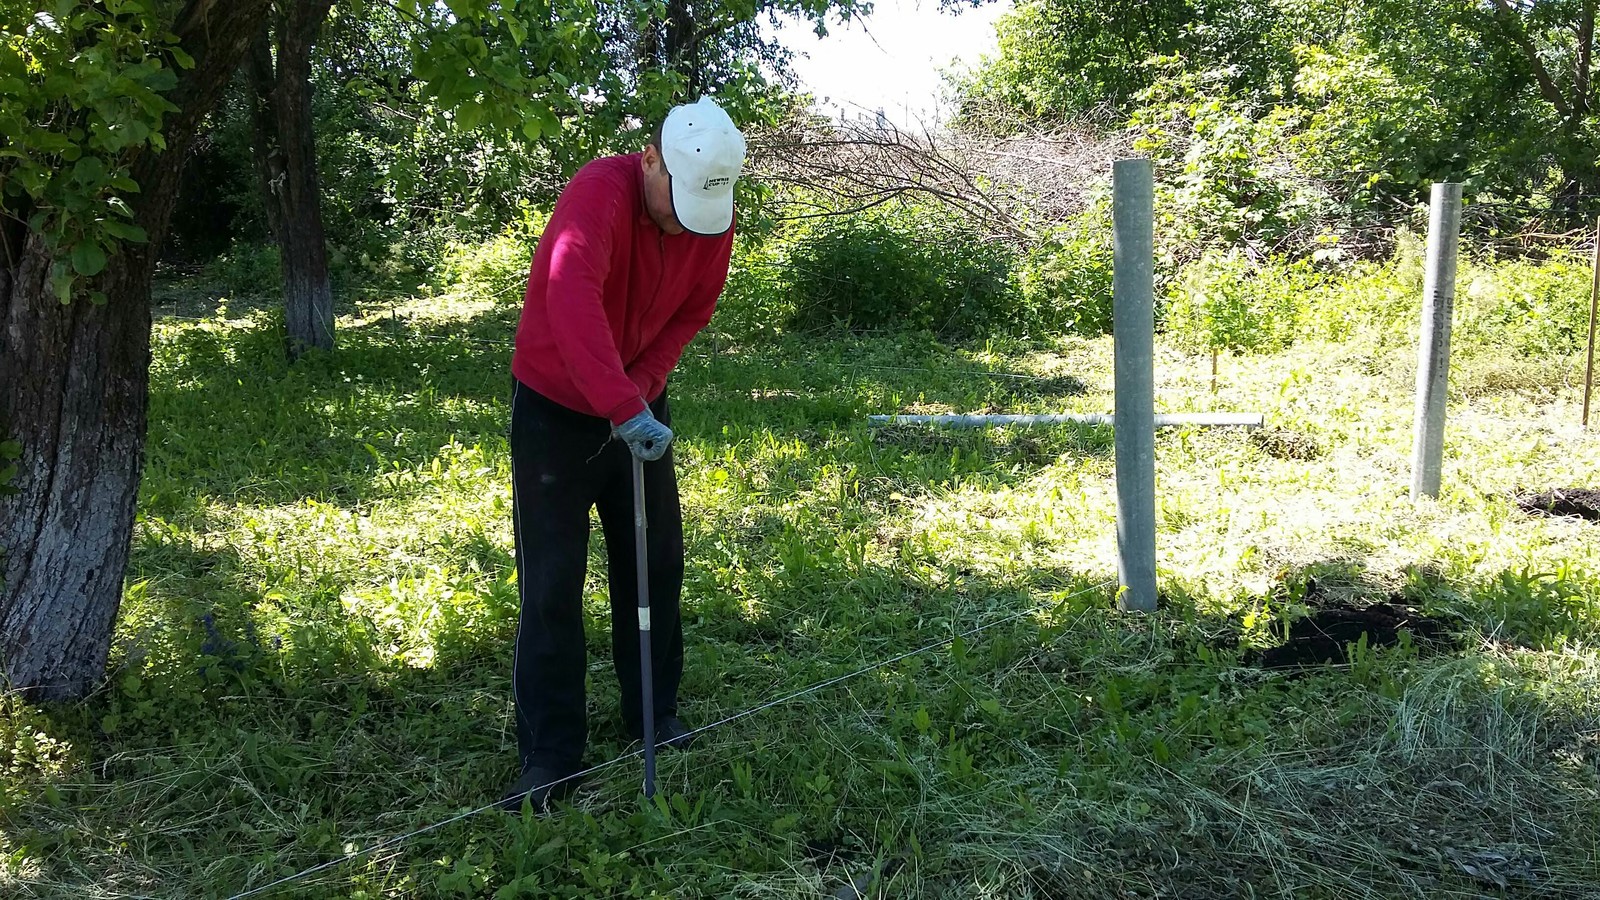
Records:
x=1594, y=306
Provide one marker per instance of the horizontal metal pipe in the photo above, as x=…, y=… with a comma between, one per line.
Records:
x=1163, y=420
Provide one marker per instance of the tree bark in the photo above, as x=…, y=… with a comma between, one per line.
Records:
x=264, y=127
x=1581, y=77
x=286, y=159
x=76, y=396
x=683, y=49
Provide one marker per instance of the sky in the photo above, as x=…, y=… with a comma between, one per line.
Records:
x=893, y=62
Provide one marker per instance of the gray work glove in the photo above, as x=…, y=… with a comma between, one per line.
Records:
x=645, y=435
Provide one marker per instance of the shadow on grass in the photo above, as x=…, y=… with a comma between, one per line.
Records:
x=231, y=419
x=288, y=751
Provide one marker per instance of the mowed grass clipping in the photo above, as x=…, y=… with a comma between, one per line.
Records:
x=314, y=651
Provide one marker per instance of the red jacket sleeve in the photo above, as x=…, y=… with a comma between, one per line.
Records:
x=583, y=228
x=650, y=369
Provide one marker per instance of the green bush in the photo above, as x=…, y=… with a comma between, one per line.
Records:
x=249, y=270
x=1225, y=176
x=756, y=301
x=496, y=269
x=1378, y=302
x=898, y=269
x=1525, y=307
x=1065, y=279
x=1530, y=308
x=1228, y=302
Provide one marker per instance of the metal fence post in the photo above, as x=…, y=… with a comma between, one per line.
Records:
x=1133, y=330
x=1433, y=352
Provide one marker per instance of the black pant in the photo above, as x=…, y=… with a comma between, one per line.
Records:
x=563, y=464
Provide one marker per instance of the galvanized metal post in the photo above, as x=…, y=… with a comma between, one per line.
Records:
x=1133, y=330
x=1433, y=352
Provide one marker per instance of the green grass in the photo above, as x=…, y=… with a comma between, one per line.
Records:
x=314, y=651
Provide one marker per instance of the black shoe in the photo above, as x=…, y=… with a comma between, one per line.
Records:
x=670, y=733
x=539, y=786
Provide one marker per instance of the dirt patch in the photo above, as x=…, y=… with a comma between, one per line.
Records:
x=917, y=438
x=1325, y=635
x=1052, y=386
x=1285, y=444
x=1562, y=503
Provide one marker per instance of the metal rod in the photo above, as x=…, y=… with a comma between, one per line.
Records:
x=1433, y=351
x=1594, y=307
x=1161, y=420
x=641, y=561
x=1133, y=346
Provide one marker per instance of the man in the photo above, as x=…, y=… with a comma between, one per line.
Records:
x=627, y=272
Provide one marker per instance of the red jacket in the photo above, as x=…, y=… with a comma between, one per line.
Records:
x=612, y=300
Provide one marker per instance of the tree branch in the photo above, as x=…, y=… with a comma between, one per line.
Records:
x=1585, y=59
x=1519, y=36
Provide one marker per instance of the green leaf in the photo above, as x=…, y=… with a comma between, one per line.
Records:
x=10, y=449
x=548, y=121
x=125, y=231
x=90, y=170
x=88, y=259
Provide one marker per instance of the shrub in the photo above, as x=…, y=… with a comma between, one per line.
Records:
x=1531, y=308
x=1379, y=302
x=1064, y=280
x=1225, y=177
x=896, y=269
x=249, y=270
x=496, y=269
x=1225, y=301
x=1521, y=306
x=756, y=301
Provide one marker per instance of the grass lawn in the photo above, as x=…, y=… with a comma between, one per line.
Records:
x=314, y=650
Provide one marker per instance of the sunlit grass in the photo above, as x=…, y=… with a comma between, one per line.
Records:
x=314, y=651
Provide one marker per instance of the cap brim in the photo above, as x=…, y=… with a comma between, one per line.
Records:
x=702, y=215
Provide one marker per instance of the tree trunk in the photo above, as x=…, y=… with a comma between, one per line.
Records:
x=286, y=158
x=683, y=48
x=76, y=393
x=264, y=129
x=76, y=379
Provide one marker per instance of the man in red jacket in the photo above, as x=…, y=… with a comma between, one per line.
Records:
x=627, y=272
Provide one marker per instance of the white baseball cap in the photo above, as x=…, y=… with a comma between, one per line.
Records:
x=704, y=153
